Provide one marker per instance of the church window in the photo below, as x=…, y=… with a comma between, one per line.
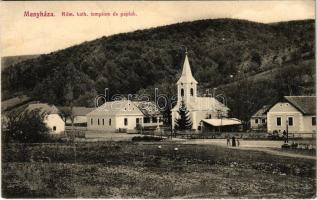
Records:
x=191, y=92
x=54, y=128
x=182, y=92
x=103, y=121
x=91, y=121
x=98, y=122
x=109, y=122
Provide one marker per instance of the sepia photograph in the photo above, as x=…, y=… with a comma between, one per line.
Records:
x=158, y=99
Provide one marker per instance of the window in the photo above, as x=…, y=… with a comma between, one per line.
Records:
x=182, y=92
x=256, y=121
x=278, y=121
x=313, y=121
x=98, y=122
x=263, y=121
x=103, y=121
x=109, y=122
x=154, y=119
x=290, y=121
x=137, y=120
x=191, y=92
x=146, y=120
x=125, y=121
x=91, y=121
x=54, y=128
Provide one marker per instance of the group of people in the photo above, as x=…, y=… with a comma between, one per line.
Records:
x=233, y=141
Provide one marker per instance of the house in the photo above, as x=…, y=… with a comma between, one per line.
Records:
x=295, y=114
x=52, y=118
x=199, y=107
x=258, y=120
x=123, y=116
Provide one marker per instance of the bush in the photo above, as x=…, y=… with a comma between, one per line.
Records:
x=146, y=138
x=286, y=146
x=26, y=126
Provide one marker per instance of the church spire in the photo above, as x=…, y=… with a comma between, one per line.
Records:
x=187, y=76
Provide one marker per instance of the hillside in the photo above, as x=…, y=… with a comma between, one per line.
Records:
x=221, y=51
x=12, y=60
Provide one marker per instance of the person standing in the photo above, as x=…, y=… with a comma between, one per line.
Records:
x=233, y=141
x=238, y=142
x=228, y=141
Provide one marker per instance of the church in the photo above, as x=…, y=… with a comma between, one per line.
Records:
x=200, y=108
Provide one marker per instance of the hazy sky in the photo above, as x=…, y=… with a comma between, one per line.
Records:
x=27, y=35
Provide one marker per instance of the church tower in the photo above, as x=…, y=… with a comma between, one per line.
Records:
x=186, y=85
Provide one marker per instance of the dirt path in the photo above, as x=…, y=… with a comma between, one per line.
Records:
x=279, y=153
x=251, y=146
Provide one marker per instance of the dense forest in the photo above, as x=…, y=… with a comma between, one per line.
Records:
x=251, y=63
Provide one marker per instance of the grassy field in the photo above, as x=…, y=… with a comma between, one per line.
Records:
x=139, y=170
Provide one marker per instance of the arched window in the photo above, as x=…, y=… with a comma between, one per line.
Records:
x=182, y=92
x=191, y=92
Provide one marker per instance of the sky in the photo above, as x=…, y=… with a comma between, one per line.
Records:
x=20, y=35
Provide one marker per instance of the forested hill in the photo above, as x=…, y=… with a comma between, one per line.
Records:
x=251, y=63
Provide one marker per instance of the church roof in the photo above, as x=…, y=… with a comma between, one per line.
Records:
x=187, y=76
x=203, y=104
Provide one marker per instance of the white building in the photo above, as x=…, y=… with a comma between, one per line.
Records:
x=297, y=114
x=199, y=107
x=258, y=121
x=123, y=116
x=52, y=118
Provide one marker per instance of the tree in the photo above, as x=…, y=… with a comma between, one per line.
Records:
x=183, y=122
x=26, y=126
x=65, y=113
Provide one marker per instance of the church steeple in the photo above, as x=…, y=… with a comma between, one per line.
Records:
x=187, y=76
x=186, y=84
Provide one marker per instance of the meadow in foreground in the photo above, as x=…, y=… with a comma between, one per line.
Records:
x=151, y=170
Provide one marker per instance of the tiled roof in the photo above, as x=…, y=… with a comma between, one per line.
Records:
x=262, y=111
x=13, y=102
x=111, y=108
x=43, y=107
x=305, y=104
x=147, y=107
